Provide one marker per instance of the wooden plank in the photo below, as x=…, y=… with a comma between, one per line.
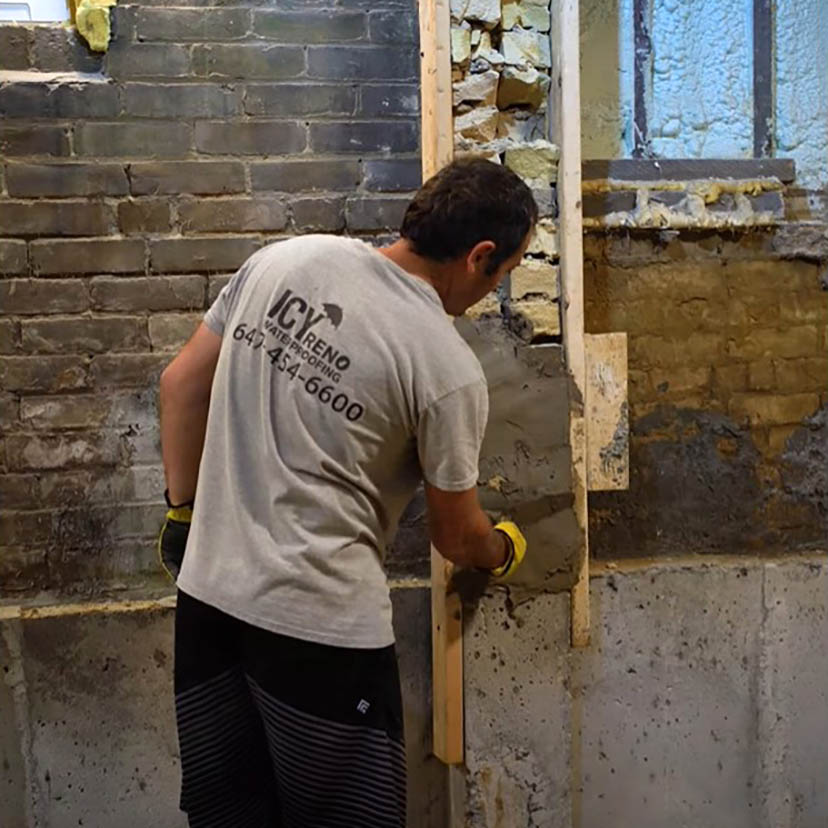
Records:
x=763, y=109
x=447, y=663
x=607, y=417
x=437, y=124
x=565, y=128
x=437, y=130
x=689, y=169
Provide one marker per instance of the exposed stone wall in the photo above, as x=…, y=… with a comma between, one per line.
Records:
x=500, y=69
x=132, y=185
x=728, y=370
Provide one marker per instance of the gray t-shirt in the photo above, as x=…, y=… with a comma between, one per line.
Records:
x=340, y=384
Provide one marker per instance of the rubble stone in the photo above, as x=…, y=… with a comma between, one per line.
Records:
x=479, y=124
x=521, y=47
x=481, y=88
x=522, y=87
x=460, y=43
x=536, y=161
x=486, y=11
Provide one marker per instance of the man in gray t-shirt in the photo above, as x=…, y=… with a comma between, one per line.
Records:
x=325, y=384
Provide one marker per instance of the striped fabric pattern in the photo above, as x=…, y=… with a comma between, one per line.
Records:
x=251, y=761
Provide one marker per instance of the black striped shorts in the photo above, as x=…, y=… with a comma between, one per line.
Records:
x=277, y=732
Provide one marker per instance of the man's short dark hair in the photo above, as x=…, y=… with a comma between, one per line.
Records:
x=467, y=202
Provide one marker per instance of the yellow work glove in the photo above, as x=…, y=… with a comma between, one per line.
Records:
x=172, y=539
x=517, y=550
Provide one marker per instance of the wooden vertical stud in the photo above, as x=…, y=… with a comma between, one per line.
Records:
x=437, y=130
x=565, y=129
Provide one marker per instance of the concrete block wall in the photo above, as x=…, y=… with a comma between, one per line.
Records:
x=728, y=369
x=132, y=184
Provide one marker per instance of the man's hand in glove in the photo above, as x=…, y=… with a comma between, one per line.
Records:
x=172, y=540
x=516, y=551
x=471, y=584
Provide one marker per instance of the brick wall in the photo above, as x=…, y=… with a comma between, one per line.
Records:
x=132, y=185
x=728, y=368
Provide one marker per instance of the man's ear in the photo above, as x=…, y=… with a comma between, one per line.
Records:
x=478, y=259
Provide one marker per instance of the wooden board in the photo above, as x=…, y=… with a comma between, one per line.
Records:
x=437, y=129
x=437, y=123
x=607, y=417
x=565, y=128
x=447, y=663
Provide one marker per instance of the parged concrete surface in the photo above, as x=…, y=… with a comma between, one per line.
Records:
x=700, y=703
x=87, y=727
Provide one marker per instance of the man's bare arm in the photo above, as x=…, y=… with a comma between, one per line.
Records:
x=460, y=530
x=185, y=401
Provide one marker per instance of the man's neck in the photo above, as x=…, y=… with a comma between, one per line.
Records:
x=403, y=256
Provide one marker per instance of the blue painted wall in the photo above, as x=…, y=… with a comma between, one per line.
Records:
x=700, y=101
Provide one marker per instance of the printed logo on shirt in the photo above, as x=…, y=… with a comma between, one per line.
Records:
x=363, y=706
x=290, y=322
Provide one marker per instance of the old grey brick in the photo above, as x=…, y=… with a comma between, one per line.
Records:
x=26, y=99
x=127, y=370
x=122, y=20
x=33, y=140
x=169, y=331
x=46, y=374
x=145, y=216
x=250, y=137
x=37, y=180
x=248, y=61
x=375, y=213
x=159, y=139
x=215, y=284
x=389, y=99
x=192, y=24
x=56, y=335
x=181, y=100
x=9, y=336
x=340, y=136
x=197, y=177
x=309, y=26
x=232, y=214
x=88, y=256
x=299, y=176
x=601, y=204
x=66, y=411
x=9, y=412
x=393, y=174
x=770, y=202
x=12, y=256
x=60, y=451
x=61, y=218
x=318, y=214
x=362, y=63
x=155, y=293
x=393, y=27
x=202, y=255
x=299, y=99
x=61, y=49
x=14, y=46
x=146, y=60
x=34, y=297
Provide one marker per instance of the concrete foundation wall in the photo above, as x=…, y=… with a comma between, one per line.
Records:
x=701, y=702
